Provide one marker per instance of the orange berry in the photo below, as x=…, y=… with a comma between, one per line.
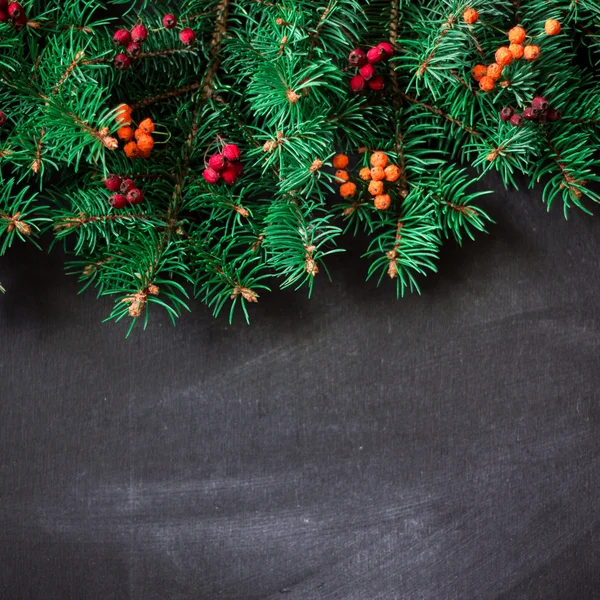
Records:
x=377, y=173
x=365, y=174
x=382, y=202
x=376, y=188
x=531, y=52
x=145, y=142
x=379, y=159
x=516, y=50
x=340, y=161
x=347, y=190
x=131, y=150
x=552, y=27
x=342, y=175
x=470, y=16
x=392, y=173
x=504, y=56
x=517, y=35
x=138, y=132
x=125, y=133
x=478, y=72
x=494, y=71
x=487, y=84
x=147, y=125
x=144, y=154
x=123, y=114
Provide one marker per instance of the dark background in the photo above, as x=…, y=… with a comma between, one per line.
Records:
x=350, y=447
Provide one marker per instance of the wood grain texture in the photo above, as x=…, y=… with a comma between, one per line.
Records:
x=351, y=447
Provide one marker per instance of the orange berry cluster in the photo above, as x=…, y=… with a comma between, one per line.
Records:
x=505, y=55
x=379, y=172
x=144, y=142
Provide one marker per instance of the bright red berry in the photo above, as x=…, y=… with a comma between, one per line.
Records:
x=135, y=196
x=217, y=162
x=367, y=72
x=211, y=176
x=357, y=84
x=118, y=201
x=187, y=36
x=376, y=83
x=357, y=58
x=231, y=152
x=375, y=55
x=139, y=33
x=506, y=113
x=126, y=185
x=169, y=21
x=113, y=182
x=553, y=114
x=122, y=37
x=388, y=49
x=122, y=62
x=3, y=16
x=516, y=120
x=15, y=10
x=539, y=103
x=134, y=49
x=229, y=175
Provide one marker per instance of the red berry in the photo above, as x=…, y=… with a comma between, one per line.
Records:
x=516, y=120
x=232, y=153
x=217, y=162
x=187, y=36
x=135, y=196
x=122, y=61
x=122, y=37
x=139, y=33
x=357, y=84
x=506, y=113
x=118, y=201
x=134, y=49
x=113, y=182
x=530, y=114
x=539, y=103
x=169, y=21
x=15, y=10
x=3, y=16
x=2, y=118
x=238, y=168
x=375, y=55
x=126, y=185
x=553, y=114
x=20, y=21
x=388, y=49
x=357, y=58
x=367, y=72
x=376, y=83
x=211, y=176
x=229, y=175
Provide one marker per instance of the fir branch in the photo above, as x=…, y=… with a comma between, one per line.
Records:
x=185, y=89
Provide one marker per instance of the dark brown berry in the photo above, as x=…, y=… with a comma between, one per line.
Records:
x=530, y=114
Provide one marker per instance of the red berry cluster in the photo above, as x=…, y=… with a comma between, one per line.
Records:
x=127, y=192
x=539, y=111
x=13, y=11
x=224, y=165
x=133, y=40
x=365, y=63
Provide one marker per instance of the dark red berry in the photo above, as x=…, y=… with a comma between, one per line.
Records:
x=238, y=168
x=376, y=83
x=367, y=72
x=530, y=114
x=516, y=120
x=3, y=4
x=217, y=162
x=169, y=21
x=506, y=113
x=113, y=182
x=118, y=201
x=139, y=33
x=357, y=58
x=126, y=185
x=3, y=16
x=388, y=49
x=211, y=176
x=539, y=103
x=231, y=152
x=122, y=62
x=229, y=175
x=19, y=22
x=135, y=196
x=375, y=55
x=122, y=37
x=553, y=115
x=187, y=36
x=15, y=10
x=2, y=118
x=357, y=84
x=134, y=49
